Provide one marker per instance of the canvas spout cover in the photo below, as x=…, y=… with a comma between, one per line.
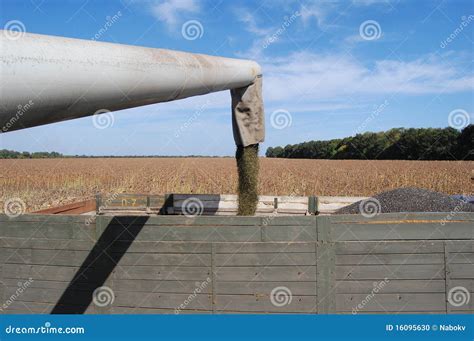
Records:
x=248, y=116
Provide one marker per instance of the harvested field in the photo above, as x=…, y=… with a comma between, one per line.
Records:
x=42, y=183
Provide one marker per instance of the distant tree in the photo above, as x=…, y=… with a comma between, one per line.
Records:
x=396, y=144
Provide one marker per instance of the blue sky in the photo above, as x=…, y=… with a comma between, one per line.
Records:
x=331, y=69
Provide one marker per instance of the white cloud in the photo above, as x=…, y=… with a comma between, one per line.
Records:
x=170, y=11
x=309, y=78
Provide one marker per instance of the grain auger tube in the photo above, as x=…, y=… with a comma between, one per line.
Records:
x=48, y=79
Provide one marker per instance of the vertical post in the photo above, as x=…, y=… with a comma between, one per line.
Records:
x=98, y=203
x=213, y=278
x=326, y=268
x=312, y=205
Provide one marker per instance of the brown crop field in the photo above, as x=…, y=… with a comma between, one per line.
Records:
x=43, y=183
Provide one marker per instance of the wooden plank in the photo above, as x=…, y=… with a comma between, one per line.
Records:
x=43, y=218
x=387, y=258
x=264, y=288
x=19, y=307
x=74, y=208
x=42, y=295
x=264, y=247
x=391, y=302
x=158, y=286
x=41, y=230
x=379, y=272
x=403, y=217
x=268, y=273
x=379, y=247
x=186, y=233
x=462, y=271
x=265, y=259
x=140, y=246
x=289, y=233
x=453, y=246
x=392, y=286
x=46, y=244
x=163, y=273
x=396, y=231
x=154, y=311
x=45, y=257
x=181, y=220
x=461, y=258
x=325, y=277
x=162, y=300
x=176, y=259
x=42, y=272
x=302, y=221
x=46, y=284
x=263, y=304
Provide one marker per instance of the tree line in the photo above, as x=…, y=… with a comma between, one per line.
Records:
x=11, y=154
x=394, y=144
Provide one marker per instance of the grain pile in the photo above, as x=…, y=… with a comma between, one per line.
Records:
x=411, y=199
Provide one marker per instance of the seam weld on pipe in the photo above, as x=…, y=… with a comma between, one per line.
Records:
x=63, y=78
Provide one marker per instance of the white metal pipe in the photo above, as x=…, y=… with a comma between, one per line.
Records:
x=46, y=79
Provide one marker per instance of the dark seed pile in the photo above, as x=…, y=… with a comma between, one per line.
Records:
x=411, y=199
